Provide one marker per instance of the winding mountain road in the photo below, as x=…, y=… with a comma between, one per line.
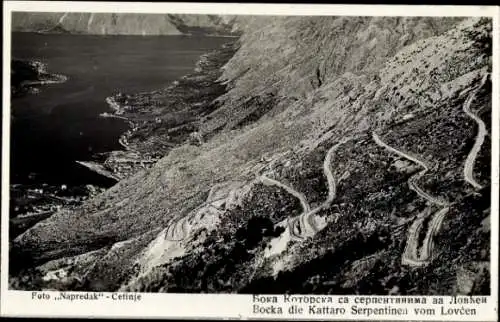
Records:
x=471, y=158
x=304, y=225
x=308, y=218
x=411, y=254
x=292, y=223
x=179, y=229
x=302, y=198
x=434, y=227
x=412, y=182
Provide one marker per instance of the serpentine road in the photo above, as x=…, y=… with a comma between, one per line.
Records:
x=304, y=226
x=302, y=198
x=471, y=158
x=411, y=255
x=179, y=229
x=434, y=227
x=412, y=182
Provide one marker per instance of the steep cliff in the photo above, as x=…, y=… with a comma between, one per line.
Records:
x=117, y=23
x=337, y=161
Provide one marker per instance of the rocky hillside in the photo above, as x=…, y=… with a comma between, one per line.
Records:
x=346, y=155
x=118, y=23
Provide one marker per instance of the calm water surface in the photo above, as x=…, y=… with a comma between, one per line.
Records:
x=61, y=124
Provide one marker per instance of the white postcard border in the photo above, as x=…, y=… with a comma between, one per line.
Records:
x=19, y=303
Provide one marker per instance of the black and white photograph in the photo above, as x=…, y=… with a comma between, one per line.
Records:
x=250, y=154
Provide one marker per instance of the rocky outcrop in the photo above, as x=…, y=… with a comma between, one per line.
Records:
x=27, y=76
x=118, y=23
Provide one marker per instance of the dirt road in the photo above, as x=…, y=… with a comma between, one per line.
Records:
x=411, y=255
x=304, y=225
x=471, y=158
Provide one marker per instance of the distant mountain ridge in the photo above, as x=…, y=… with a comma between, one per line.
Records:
x=119, y=23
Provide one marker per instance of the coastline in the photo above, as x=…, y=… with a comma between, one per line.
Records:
x=34, y=202
x=138, y=153
x=98, y=168
x=159, y=120
x=57, y=79
x=28, y=75
x=108, y=115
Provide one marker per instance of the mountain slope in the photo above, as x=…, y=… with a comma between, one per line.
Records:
x=117, y=23
x=296, y=87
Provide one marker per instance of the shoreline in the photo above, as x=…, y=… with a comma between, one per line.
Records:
x=81, y=33
x=135, y=108
x=36, y=201
x=98, y=168
x=59, y=80
x=28, y=75
x=138, y=153
x=108, y=115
